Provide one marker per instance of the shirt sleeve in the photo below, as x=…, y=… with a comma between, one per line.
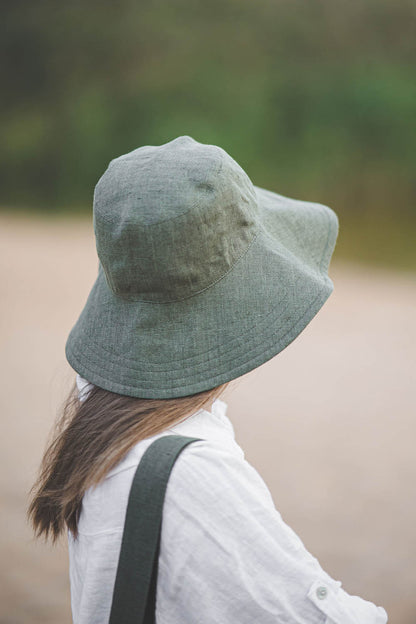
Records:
x=227, y=556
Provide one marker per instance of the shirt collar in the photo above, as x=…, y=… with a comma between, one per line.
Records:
x=211, y=424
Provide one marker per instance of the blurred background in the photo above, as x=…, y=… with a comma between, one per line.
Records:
x=315, y=99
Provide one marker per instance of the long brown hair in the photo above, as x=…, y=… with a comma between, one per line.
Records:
x=88, y=439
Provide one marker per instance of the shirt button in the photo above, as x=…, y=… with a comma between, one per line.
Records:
x=321, y=593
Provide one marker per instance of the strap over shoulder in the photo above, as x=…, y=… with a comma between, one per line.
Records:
x=134, y=595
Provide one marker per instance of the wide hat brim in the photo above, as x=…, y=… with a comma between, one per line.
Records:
x=166, y=350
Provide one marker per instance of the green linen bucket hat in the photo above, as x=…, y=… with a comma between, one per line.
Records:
x=202, y=276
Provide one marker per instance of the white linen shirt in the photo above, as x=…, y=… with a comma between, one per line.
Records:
x=226, y=555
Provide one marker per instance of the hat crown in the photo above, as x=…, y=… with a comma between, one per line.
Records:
x=171, y=220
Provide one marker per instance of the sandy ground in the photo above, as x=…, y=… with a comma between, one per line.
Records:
x=329, y=423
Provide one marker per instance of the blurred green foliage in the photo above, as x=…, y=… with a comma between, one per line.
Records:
x=316, y=99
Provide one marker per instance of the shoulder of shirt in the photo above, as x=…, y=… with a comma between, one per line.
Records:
x=207, y=469
x=213, y=429
x=203, y=464
x=212, y=454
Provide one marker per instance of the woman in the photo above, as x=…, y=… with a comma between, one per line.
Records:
x=202, y=278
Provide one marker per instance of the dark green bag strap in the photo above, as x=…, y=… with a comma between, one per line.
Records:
x=134, y=595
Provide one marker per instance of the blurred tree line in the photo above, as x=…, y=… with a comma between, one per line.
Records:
x=316, y=99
